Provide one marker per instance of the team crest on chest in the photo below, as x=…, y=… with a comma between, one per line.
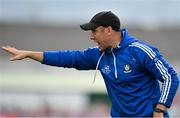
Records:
x=127, y=68
x=106, y=69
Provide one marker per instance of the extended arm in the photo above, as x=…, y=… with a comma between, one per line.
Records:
x=82, y=60
x=21, y=54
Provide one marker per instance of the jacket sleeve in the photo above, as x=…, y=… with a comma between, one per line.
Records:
x=154, y=63
x=81, y=60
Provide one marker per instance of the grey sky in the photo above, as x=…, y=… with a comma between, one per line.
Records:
x=135, y=12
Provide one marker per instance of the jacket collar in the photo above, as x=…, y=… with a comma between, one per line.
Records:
x=126, y=39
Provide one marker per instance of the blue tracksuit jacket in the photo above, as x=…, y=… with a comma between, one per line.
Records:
x=131, y=73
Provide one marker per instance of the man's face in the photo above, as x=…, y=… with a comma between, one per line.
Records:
x=100, y=36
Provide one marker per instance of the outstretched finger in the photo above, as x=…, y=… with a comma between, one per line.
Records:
x=8, y=49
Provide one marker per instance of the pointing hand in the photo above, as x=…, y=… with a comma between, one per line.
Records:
x=17, y=54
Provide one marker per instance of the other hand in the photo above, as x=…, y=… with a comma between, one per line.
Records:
x=158, y=115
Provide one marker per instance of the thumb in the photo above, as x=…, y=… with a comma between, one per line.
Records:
x=15, y=58
x=12, y=58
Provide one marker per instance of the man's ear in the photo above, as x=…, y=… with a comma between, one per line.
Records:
x=109, y=30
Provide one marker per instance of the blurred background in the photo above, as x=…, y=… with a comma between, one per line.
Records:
x=29, y=89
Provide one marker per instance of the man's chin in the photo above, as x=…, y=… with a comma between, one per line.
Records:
x=102, y=49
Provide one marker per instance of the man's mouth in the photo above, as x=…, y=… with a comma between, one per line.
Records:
x=98, y=44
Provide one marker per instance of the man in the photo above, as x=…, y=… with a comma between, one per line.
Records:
x=131, y=68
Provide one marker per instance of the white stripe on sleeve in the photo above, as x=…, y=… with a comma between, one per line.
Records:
x=162, y=69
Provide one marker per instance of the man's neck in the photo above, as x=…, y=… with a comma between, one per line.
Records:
x=116, y=39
